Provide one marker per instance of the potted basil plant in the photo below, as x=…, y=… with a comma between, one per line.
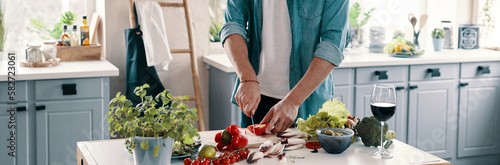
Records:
x=150, y=127
x=438, y=39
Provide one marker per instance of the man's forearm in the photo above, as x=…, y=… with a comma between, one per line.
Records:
x=236, y=49
x=315, y=75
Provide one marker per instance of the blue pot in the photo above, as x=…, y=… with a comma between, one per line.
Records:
x=146, y=157
x=438, y=44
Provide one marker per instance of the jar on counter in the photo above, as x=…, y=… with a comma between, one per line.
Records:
x=49, y=50
x=34, y=54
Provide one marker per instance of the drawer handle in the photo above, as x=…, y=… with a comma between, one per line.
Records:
x=464, y=84
x=382, y=75
x=69, y=89
x=400, y=88
x=484, y=69
x=19, y=109
x=413, y=87
x=434, y=72
x=40, y=107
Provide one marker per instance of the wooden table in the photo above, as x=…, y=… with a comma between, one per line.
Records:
x=111, y=152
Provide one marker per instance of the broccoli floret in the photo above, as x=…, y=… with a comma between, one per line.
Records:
x=369, y=131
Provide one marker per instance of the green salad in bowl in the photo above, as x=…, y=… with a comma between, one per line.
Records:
x=400, y=47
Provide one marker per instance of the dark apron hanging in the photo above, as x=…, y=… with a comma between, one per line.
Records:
x=138, y=72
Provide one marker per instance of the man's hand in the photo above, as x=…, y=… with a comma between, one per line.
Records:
x=248, y=97
x=281, y=115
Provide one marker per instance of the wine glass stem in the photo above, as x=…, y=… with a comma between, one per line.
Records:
x=382, y=149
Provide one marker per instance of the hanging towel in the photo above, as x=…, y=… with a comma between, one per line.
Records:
x=138, y=73
x=152, y=23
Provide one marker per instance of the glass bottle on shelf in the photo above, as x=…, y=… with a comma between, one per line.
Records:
x=84, y=30
x=65, y=36
x=74, y=36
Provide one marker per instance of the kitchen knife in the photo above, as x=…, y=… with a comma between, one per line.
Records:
x=253, y=124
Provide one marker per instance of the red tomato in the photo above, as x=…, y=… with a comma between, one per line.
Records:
x=205, y=162
x=199, y=159
x=187, y=161
x=225, y=161
x=313, y=145
x=349, y=117
x=260, y=129
x=218, y=137
x=216, y=162
x=231, y=160
x=237, y=158
x=196, y=162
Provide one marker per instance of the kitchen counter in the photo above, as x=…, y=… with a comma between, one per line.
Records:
x=109, y=152
x=76, y=69
x=221, y=61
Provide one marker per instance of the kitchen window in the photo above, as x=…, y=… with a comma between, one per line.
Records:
x=31, y=21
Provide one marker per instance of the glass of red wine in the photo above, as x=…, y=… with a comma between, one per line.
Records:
x=383, y=106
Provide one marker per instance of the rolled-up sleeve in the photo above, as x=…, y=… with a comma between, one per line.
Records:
x=236, y=16
x=334, y=31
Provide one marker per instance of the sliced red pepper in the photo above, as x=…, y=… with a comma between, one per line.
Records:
x=313, y=145
x=260, y=129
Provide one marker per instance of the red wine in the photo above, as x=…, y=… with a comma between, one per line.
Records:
x=383, y=111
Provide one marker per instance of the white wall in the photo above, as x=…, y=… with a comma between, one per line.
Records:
x=178, y=77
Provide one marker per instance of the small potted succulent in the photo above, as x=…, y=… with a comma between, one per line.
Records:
x=150, y=127
x=438, y=39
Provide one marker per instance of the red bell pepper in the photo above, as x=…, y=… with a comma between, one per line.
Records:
x=313, y=145
x=237, y=140
x=260, y=129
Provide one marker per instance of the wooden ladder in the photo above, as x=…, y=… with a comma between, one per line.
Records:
x=191, y=51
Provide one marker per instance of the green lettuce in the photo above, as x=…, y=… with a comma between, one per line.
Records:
x=333, y=114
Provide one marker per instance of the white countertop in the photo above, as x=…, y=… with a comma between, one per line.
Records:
x=114, y=152
x=76, y=69
x=221, y=61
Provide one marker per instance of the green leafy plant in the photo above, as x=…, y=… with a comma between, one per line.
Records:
x=157, y=117
x=438, y=33
x=487, y=22
x=45, y=33
x=214, y=31
x=3, y=35
x=354, y=16
x=333, y=114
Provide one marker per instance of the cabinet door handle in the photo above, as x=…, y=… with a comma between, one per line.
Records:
x=483, y=69
x=434, y=72
x=464, y=84
x=382, y=75
x=19, y=109
x=69, y=89
x=40, y=107
x=413, y=87
x=400, y=88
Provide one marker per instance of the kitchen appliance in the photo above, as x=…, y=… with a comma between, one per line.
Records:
x=448, y=34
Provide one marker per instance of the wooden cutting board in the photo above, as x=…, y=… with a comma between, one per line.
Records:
x=254, y=141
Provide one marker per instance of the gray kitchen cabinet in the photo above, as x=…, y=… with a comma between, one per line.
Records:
x=344, y=94
x=398, y=122
x=343, y=89
x=479, y=130
x=52, y=115
x=432, y=116
x=5, y=134
x=60, y=124
x=222, y=112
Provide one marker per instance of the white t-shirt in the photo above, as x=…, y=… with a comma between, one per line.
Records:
x=274, y=68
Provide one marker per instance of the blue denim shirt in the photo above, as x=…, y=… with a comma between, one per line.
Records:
x=319, y=29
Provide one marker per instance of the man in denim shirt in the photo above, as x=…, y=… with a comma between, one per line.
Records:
x=307, y=48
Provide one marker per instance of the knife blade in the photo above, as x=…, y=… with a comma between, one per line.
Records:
x=253, y=124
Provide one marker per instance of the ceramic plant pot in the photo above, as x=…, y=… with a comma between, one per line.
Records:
x=438, y=44
x=146, y=157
